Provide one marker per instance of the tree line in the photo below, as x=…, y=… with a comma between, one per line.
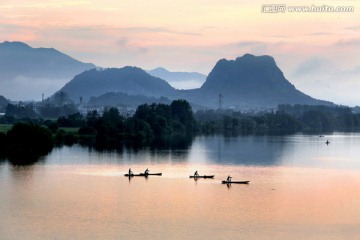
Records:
x=151, y=124
x=24, y=143
x=162, y=125
x=287, y=119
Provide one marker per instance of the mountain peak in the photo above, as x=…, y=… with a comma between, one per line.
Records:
x=249, y=58
x=24, y=70
x=130, y=80
x=14, y=44
x=256, y=80
x=159, y=70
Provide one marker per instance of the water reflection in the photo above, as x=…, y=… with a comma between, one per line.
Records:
x=163, y=143
x=298, y=150
x=244, y=150
x=95, y=200
x=162, y=150
x=21, y=173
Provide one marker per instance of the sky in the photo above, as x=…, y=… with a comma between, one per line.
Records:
x=318, y=52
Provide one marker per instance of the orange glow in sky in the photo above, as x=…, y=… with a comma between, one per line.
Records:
x=193, y=35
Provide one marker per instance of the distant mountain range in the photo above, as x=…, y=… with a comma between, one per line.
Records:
x=245, y=83
x=28, y=72
x=129, y=80
x=179, y=80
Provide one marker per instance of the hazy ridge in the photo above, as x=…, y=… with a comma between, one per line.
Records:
x=248, y=82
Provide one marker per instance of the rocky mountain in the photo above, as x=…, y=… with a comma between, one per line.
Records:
x=179, y=80
x=248, y=82
x=3, y=103
x=129, y=80
x=28, y=72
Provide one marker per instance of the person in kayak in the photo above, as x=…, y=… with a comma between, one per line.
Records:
x=229, y=179
x=196, y=174
x=130, y=172
x=146, y=171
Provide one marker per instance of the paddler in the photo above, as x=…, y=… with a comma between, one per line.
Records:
x=229, y=179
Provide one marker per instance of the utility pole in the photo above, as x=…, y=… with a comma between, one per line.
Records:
x=220, y=100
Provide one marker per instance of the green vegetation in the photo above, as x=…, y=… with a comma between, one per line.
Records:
x=43, y=110
x=229, y=122
x=4, y=128
x=323, y=118
x=160, y=125
x=24, y=143
x=155, y=124
x=150, y=123
x=73, y=130
x=288, y=119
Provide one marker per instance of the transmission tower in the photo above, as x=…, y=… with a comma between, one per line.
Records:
x=220, y=100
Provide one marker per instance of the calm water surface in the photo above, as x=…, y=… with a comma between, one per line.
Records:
x=300, y=188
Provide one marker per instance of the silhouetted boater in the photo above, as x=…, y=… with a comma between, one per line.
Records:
x=130, y=172
x=229, y=179
x=196, y=174
x=146, y=171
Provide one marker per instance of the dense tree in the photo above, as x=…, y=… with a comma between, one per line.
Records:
x=287, y=119
x=72, y=120
x=113, y=118
x=92, y=118
x=49, y=110
x=20, y=110
x=3, y=144
x=27, y=142
x=181, y=111
x=53, y=126
x=62, y=137
x=322, y=118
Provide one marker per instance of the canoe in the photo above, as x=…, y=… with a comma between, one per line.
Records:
x=143, y=175
x=238, y=182
x=132, y=175
x=150, y=174
x=204, y=176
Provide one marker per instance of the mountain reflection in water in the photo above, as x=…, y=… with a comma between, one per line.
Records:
x=300, y=188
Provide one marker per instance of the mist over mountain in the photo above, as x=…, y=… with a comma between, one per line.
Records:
x=125, y=100
x=129, y=80
x=28, y=72
x=179, y=80
x=248, y=82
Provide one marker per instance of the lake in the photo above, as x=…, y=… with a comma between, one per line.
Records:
x=300, y=188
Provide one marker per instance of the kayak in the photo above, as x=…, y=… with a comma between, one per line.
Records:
x=132, y=175
x=150, y=174
x=238, y=182
x=204, y=176
x=142, y=175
